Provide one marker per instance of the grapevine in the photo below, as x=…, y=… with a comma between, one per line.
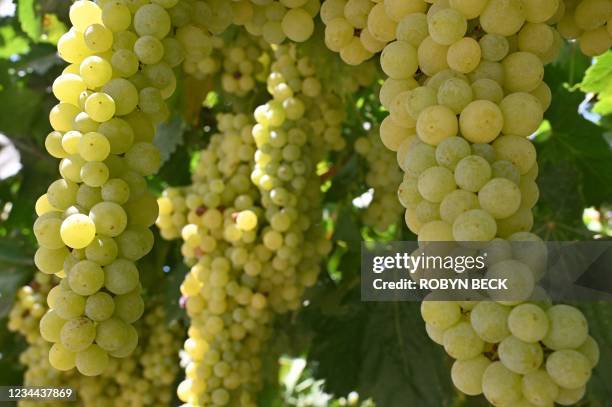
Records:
x=270, y=91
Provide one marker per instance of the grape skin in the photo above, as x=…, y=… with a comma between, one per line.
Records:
x=568, y=368
x=467, y=374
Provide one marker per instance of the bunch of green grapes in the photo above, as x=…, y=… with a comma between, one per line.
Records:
x=528, y=354
x=294, y=131
x=29, y=307
x=228, y=311
x=589, y=22
x=145, y=378
x=276, y=20
x=382, y=176
x=24, y=317
x=358, y=29
x=94, y=221
x=459, y=128
x=198, y=28
x=252, y=247
x=172, y=212
x=242, y=66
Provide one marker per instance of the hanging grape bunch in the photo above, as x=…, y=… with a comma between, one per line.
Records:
x=462, y=86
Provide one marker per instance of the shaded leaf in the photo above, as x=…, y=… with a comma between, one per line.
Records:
x=382, y=351
x=169, y=136
x=599, y=315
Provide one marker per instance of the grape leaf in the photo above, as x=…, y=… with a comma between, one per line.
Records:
x=576, y=140
x=381, y=351
x=599, y=315
x=12, y=43
x=29, y=19
x=16, y=265
x=169, y=136
x=599, y=75
x=598, y=79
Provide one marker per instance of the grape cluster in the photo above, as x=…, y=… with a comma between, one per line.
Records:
x=217, y=219
x=294, y=131
x=277, y=20
x=29, y=307
x=464, y=92
x=589, y=22
x=172, y=212
x=252, y=244
x=241, y=65
x=94, y=222
x=198, y=26
x=358, y=29
x=145, y=378
x=382, y=176
x=24, y=317
x=531, y=354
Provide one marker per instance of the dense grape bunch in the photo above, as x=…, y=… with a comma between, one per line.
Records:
x=145, y=378
x=94, y=221
x=229, y=314
x=241, y=67
x=382, y=176
x=294, y=131
x=464, y=91
x=276, y=21
x=252, y=245
x=587, y=21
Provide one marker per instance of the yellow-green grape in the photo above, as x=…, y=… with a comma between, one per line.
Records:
x=461, y=342
x=77, y=334
x=528, y=322
x=99, y=306
x=61, y=358
x=538, y=388
x=489, y=321
x=467, y=374
x=520, y=357
x=568, y=328
x=568, y=368
x=77, y=231
x=86, y=278
x=91, y=361
x=50, y=326
x=440, y=314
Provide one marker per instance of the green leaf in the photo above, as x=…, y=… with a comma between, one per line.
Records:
x=381, y=351
x=599, y=76
x=599, y=315
x=346, y=227
x=598, y=79
x=12, y=43
x=579, y=142
x=16, y=265
x=29, y=19
x=169, y=136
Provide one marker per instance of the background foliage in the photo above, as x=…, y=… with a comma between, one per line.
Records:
x=336, y=344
